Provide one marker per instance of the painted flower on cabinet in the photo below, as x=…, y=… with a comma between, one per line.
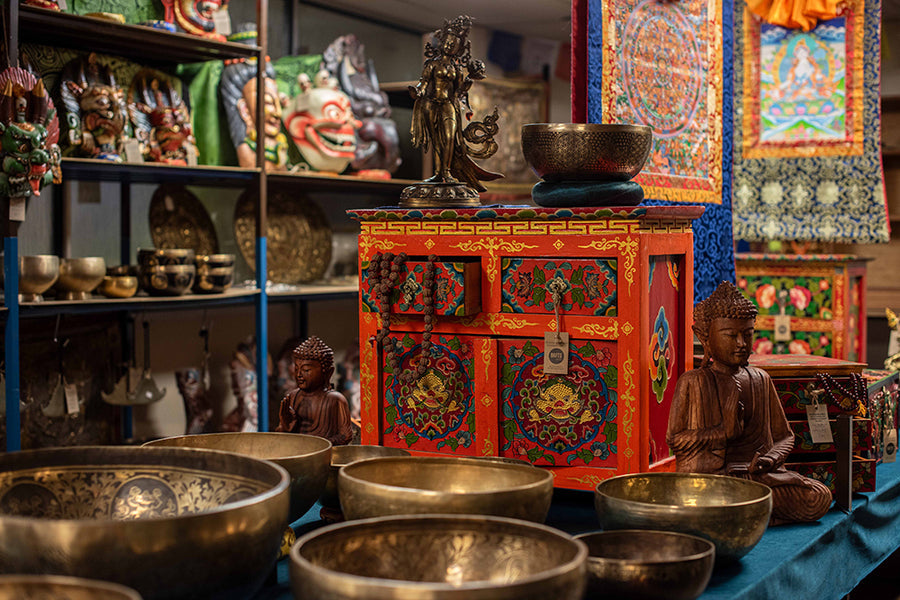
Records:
x=765, y=295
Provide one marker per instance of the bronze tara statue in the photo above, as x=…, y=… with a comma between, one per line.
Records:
x=315, y=408
x=727, y=418
x=441, y=102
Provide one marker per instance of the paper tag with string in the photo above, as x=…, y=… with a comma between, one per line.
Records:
x=889, y=427
x=71, y=392
x=819, y=426
x=223, y=21
x=556, y=347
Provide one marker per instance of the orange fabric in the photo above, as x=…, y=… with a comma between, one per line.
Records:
x=794, y=14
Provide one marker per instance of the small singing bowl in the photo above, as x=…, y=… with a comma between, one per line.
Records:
x=215, y=261
x=57, y=587
x=37, y=274
x=168, y=280
x=342, y=456
x=214, y=280
x=305, y=457
x=586, y=151
x=732, y=513
x=154, y=519
x=439, y=557
x=154, y=257
x=647, y=565
x=443, y=485
x=118, y=286
x=78, y=277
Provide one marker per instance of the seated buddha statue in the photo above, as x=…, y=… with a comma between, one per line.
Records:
x=726, y=416
x=315, y=408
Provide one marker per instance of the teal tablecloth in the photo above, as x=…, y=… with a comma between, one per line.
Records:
x=813, y=561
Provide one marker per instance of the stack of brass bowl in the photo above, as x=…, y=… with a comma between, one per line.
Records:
x=305, y=457
x=732, y=513
x=78, y=277
x=175, y=523
x=120, y=282
x=342, y=456
x=632, y=564
x=215, y=273
x=36, y=275
x=439, y=557
x=442, y=485
x=57, y=587
x=166, y=272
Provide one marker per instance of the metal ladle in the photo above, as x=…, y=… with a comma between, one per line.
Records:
x=146, y=392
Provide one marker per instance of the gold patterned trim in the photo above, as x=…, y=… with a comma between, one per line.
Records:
x=502, y=228
x=382, y=245
x=487, y=401
x=589, y=480
x=628, y=247
x=628, y=400
x=488, y=447
x=487, y=355
x=610, y=332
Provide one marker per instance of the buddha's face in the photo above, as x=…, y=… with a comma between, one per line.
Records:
x=309, y=374
x=730, y=341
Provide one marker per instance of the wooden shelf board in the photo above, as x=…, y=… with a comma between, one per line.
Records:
x=138, y=303
x=388, y=188
x=89, y=169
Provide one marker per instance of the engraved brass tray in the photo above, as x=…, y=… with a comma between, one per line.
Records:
x=298, y=236
x=179, y=220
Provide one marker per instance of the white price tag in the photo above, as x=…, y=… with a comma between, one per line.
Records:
x=17, y=209
x=782, y=328
x=819, y=427
x=192, y=155
x=556, y=353
x=131, y=148
x=894, y=342
x=889, y=453
x=71, y=391
x=62, y=5
x=223, y=22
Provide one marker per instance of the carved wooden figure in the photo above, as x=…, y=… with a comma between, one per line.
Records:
x=196, y=17
x=160, y=118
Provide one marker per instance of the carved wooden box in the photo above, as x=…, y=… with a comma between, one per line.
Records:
x=618, y=281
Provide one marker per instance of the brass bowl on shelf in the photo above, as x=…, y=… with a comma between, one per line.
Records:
x=123, y=270
x=153, y=519
x=445, y=485
x=214, y=280
x=168, y=280
x=732, y=513
x=586, y=151
x=118, y=286
x=37, y=274
x=439, y=557
x=305, y=457
x=632, y=564
x=78, y=277
x=155, y=257
x=214, y=261
x=342, y=456
x=57, y=587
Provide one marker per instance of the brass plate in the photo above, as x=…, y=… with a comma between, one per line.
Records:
x=179, y=220
x=298, y=236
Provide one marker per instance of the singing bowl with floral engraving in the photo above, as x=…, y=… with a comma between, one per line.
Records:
x=169, y=522
x=57, y=587
x=443, y=485
x=439, y=557
x=305, y=457
x=732, y=513
x=342, y=456
x=632, y=564
x=36, y=274
x=586, y=151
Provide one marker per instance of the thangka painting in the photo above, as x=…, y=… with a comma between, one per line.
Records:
x=807, y=160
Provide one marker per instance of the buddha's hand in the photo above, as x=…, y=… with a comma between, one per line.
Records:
x=761, y=463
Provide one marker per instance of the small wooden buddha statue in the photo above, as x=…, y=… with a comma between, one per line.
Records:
x=315, y=408
x=727, y=418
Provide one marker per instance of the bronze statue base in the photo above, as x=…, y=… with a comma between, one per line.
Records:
x=439, y=195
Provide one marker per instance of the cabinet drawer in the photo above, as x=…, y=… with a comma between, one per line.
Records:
x=457, y=288
x=589, y=286
x=809, y=297
x=863, y=472
x=863, y=437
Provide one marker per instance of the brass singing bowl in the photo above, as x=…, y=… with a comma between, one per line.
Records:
x=78, y=277
x=154, y=257
x=169, y=522
x=37, y=274
x=305, y=457
x=215, y=261
x=439, y=557
x=732, y=513
x=586, y=151
x=168, y=280
x=443, y=485
x=215, y=280
x=342, y=456
x=647, y=565
x=57, y=587
x=118, y=286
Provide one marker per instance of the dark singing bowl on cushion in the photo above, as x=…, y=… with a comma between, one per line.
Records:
x=444, y=485
x=57, y=587
x=438, y=557
x=732, y=513
x=305, y=457
x=342, y=456
x=631, y=564
x=168, y=522
x=586, y=151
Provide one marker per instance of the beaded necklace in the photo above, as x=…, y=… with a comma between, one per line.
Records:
x=849, y=400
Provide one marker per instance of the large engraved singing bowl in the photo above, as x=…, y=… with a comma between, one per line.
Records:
x=36, y=274
x=443, y=485
x=586, y=151
x=438, y=557
x=342, y=456
x=305, y=457
x=732, y=513
x=57, y=587
x=632, y=564
x=169, y=522
x=78, y=277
